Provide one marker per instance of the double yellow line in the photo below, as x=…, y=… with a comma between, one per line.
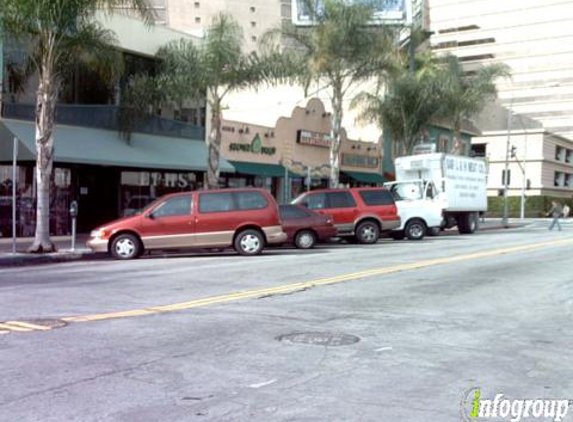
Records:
x=23, y=326
x=20, y=327
x=294, y=287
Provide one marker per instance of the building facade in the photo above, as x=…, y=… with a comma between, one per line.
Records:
x=534, y=38
x=539, y=162
x=293, y=155
x=255, y=16
x=108, y=173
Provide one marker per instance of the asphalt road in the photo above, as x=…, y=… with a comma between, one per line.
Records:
x=205, y=337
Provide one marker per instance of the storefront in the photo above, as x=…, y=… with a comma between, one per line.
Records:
x=294, y=155
x=108, y=176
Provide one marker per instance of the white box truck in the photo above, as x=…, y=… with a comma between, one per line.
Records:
x=448, y=188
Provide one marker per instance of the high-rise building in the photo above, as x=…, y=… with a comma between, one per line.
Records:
x=533, y=37
x=255, y=16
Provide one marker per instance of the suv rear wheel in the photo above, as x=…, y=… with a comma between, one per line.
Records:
x=125, y=246
x=249, y=242
x=305, y=239
x=367, y=232
x=415, y=229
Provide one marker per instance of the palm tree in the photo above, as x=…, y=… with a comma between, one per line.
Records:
x=59, y=33
x=340, y=49
x=465, y=94
x=411, y=101
x=216, y=67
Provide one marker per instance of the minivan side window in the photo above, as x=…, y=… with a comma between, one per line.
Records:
x=179, y=205
x=377, y=197
x=340, y=200
x=216, y=202
x=251, y=201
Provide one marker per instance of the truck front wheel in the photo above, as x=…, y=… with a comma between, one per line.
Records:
x=415, y=229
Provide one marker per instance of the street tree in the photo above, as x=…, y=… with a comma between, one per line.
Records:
x=465, y=94
x=215, y=67
x=58, y=34
x=340, y=49
x=410, y=101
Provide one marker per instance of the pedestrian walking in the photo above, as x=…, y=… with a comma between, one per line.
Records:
x=556, y=212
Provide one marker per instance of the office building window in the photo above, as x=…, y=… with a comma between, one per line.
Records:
x=197, y=5
x=503, y=177
x=197, y=20
x=253, y=9
x=253, y=24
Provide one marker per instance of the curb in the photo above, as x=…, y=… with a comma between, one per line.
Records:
x=22, y=260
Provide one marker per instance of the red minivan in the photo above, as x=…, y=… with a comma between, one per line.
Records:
x=359, y=213
x=246, y=219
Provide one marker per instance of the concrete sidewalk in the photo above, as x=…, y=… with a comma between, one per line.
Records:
x=63, y=254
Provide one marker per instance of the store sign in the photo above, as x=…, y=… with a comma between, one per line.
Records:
x=425, y=148
x=255, y=147
x=157, y=178
x=317, y=139
x=360, y=161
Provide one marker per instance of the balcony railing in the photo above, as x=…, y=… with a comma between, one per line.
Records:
x=105, y=117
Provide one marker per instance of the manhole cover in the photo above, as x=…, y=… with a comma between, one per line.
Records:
x=320, y=339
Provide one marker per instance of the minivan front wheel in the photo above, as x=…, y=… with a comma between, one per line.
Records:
x=125, y=246
x=249, y=242
x=368, y=232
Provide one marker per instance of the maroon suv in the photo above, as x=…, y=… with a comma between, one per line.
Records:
x=360, y=213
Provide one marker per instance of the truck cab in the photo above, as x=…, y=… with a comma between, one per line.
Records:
x=419, y=207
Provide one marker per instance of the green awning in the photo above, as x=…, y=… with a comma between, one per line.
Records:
x=365, y=177
x=83, y=145
x=259, y=169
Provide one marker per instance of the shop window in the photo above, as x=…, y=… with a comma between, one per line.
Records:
x=179, y=205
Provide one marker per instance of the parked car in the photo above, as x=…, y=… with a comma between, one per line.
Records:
x=358, y=213
x=304, y=228
x=246, y=219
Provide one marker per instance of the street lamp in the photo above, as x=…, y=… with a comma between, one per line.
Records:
x=506, y=171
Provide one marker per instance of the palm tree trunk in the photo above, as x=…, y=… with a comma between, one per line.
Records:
x=335, y=134
x=46, y=97
x=214, y=144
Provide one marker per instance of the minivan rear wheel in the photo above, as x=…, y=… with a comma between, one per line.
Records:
x=125, y=246
x=368, y=232
x=249, y=242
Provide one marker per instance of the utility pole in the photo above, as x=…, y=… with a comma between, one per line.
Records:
x=504, y=220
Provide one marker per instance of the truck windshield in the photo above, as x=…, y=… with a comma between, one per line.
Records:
x=407, y=191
